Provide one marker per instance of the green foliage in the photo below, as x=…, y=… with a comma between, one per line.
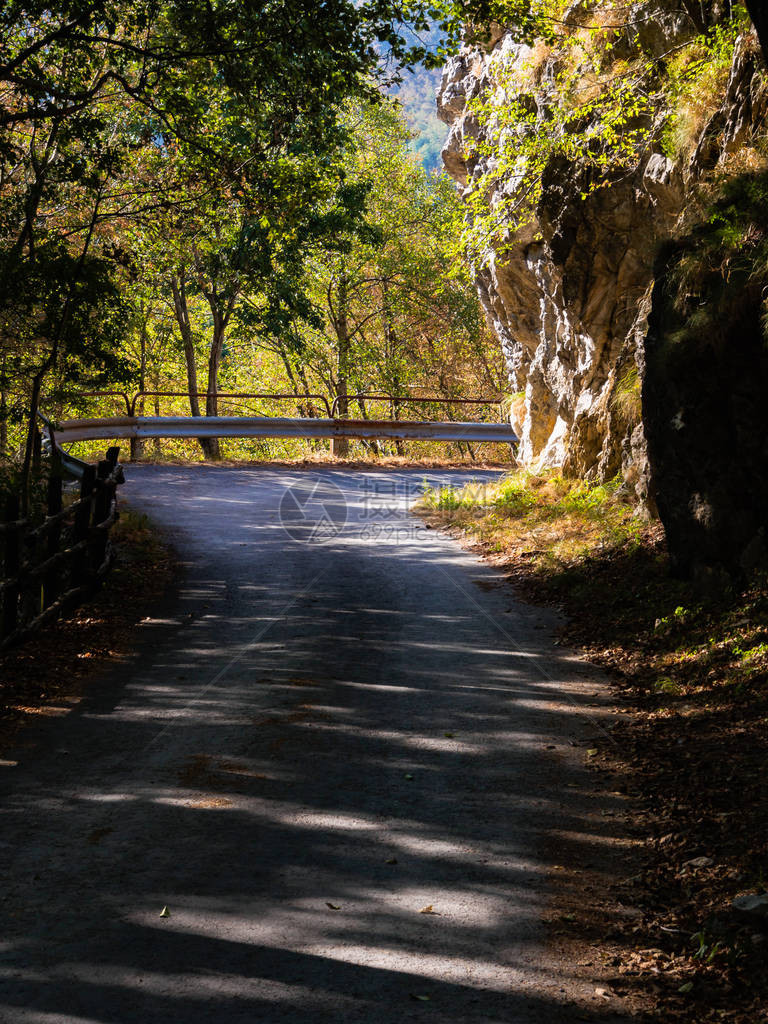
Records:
x=380, y=223
x=471, y=20
x=722, y=266
x=666, y=686
x=521, y=491
x=119, y=120
x=694, y=81
x=585, y=107
x=391, y=317
x=553, y=521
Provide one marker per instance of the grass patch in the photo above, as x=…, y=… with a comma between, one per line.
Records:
x=553, y=522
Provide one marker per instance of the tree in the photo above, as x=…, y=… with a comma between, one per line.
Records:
x=387, y=291
x=91, y=82
x=758, y=12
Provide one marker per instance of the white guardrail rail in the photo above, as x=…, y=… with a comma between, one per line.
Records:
x=117, y=427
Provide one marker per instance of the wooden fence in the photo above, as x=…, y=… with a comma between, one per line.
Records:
x=52, y=566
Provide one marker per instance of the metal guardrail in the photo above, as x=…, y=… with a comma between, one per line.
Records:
x=131, y=401
x=108, y=428
x=370, y=396
x=70, y=465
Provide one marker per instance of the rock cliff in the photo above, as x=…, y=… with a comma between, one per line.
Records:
x=570, y=292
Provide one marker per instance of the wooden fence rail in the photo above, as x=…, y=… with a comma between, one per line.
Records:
x=50, y=567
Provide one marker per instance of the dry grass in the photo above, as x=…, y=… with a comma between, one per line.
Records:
x=528, y=73
x=545, y=519
x=326, y=461
x=626, y=401
x=698, y=77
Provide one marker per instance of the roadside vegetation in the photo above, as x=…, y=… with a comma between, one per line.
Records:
x=690, y=739
x=50, y=676
x=611, y=100
x=186, y=205
x=544, y=518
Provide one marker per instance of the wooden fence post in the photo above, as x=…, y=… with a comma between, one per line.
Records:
x=81, y=567
x=101, y=506
x=51, y=587
x=37, y=452
x=11, y=566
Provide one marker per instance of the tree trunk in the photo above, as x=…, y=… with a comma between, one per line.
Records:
x=758, y=12
x=395, y=402
x=371, y=444
x=3, y=410
x=137, y=443
x=181, y=309
x=212, y=398
x=158, y=446
x=340, y=445
x=51, y=359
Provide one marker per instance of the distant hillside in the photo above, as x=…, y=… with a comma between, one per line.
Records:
x=417, y=95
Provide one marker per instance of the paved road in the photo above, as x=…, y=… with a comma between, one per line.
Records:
x=314, y=744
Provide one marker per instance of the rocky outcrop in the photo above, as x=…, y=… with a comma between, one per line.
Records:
x=706, y=374
x=569, y=297
x=706, y=417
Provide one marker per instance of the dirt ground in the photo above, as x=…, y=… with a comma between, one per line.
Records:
x=689, y=748
x=48, y=676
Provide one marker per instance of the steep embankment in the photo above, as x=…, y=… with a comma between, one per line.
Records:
x=579, y=159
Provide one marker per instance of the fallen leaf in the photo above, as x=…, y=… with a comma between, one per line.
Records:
x=428, y=910
x=592, y=752
x=698, y=862
x=408, y=776
x=165, y=912
x=421, y=999
x=392, y=860
x=333, y=906
x=686, y=988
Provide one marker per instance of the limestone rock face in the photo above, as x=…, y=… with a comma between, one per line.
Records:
x=570, y=296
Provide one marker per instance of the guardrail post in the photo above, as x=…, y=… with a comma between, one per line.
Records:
x=11, y=566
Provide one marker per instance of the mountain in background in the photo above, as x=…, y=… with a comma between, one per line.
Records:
x=417, y=96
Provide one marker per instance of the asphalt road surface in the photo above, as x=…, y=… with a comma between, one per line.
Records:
x=332, y=784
